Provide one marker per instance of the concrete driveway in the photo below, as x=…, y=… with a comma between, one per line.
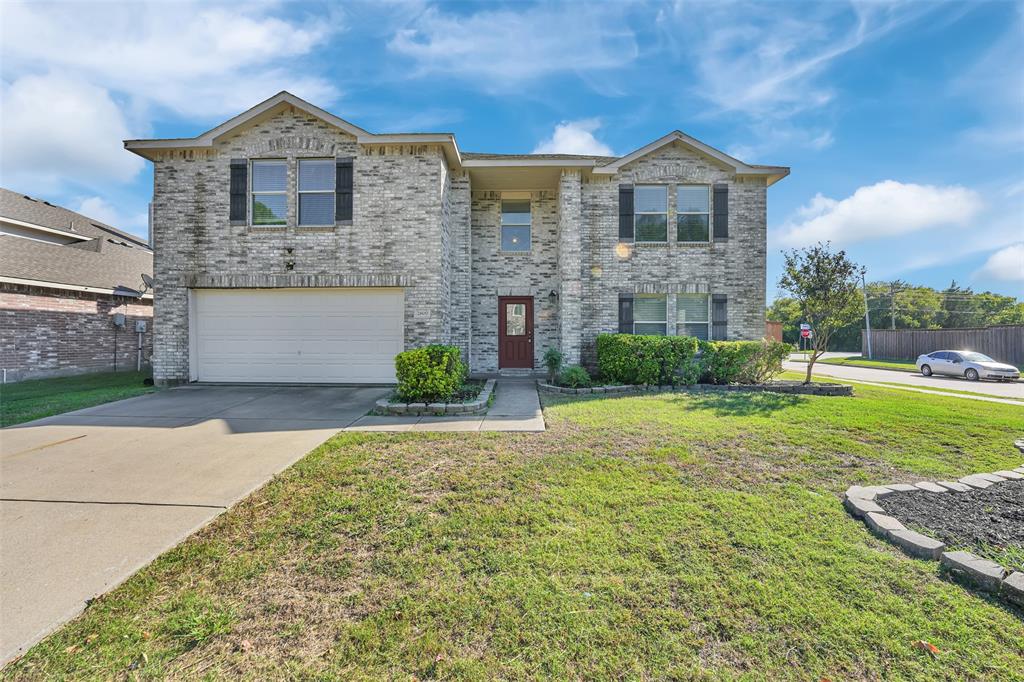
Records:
x=89, y=497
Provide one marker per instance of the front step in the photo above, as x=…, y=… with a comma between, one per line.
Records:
x=516, y=372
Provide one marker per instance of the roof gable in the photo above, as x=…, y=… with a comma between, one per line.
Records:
x=774, y=173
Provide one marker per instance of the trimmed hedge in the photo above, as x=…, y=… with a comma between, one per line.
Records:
x=638, y=359
x=430, y=374
x=673, y=360
x=742, y=362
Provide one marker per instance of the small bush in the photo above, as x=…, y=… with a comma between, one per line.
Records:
x=741, y=362
x=553, y=361
x=638, y=359
x=574, y=377
x=429, y=374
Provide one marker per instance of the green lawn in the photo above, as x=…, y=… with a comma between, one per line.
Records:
x=858, y=361
x=649, y=537
x=28, y=400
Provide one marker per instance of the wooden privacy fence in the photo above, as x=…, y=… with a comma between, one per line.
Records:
x=1004, y=343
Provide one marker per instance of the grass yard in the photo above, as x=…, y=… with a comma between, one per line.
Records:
x=28, y=400
x=649, y=537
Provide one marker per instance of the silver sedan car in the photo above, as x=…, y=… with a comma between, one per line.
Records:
x=967, y=364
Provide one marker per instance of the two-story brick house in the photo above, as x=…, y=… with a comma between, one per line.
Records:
x=293, y=246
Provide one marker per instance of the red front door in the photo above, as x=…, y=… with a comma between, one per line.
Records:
x=515, y=331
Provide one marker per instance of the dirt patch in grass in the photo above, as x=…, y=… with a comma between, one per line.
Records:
x=988, y=522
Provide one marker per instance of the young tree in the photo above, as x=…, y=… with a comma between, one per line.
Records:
x=826, y=285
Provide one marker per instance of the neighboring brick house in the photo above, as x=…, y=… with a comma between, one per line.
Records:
x=71, y=292
x=292, y=245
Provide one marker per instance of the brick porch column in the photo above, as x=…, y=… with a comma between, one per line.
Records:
x=570, y=287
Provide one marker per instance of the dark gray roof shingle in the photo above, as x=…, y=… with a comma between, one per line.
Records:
x=121, y=261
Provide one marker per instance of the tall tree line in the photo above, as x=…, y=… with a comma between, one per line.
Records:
x=899, y=305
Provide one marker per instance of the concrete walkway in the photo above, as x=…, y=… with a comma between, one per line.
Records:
x=89, y=497
x=516, y=408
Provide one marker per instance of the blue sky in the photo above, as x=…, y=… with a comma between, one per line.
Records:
x=903, y=122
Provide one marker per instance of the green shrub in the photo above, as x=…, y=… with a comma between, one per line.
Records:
x=429, y=374
x=638, y=359
x=553, y=361
x=574, y=377
x=741, y=362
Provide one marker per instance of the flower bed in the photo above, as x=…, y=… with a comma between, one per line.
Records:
x=472, y=405
x=975, y=511
x=789, y=387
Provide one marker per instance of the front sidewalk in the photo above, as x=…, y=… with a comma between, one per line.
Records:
x=516, y=408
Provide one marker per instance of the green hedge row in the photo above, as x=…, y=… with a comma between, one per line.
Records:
x=667, y=360
x=430, y=374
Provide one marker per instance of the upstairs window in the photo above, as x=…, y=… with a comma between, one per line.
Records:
x=515, y=224
x=269, y=192
x=316, y=192
x=693, y=213
x=693, y=315
x=649, y=315
x=651, y=217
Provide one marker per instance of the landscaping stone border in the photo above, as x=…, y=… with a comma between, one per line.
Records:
x=963, y=567
x=478, y=406
x=794, y=388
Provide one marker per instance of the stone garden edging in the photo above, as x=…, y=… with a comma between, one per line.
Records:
x=788, y=388
x=963, y=567
x=477, y=406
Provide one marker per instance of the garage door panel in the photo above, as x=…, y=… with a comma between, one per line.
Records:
x=298, y=335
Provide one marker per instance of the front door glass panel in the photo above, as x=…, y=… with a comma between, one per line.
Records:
x=515, y=319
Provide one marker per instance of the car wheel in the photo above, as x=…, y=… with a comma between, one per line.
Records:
x=971, y=374
x=926, y=370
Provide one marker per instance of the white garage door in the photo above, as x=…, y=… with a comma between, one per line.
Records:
x=297, y=335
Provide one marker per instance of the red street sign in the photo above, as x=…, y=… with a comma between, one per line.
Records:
x=805, y=333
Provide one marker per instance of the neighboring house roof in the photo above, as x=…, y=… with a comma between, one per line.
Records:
x=42, y=213
x=102, y=259
x=457, y=159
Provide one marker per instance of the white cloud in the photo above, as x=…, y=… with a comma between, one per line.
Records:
x=574, y=137
x=78, y=78
x=1005, y=265
x=194, y=59
x=100, y=209
x=501, y=47
x=884, y=210
x=54, y=127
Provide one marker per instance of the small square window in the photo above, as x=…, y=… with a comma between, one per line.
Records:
x=515, y=225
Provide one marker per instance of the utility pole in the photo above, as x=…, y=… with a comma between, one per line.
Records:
x=867, y=311
x=892, y=304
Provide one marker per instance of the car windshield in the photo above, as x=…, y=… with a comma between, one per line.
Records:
x=976, y=357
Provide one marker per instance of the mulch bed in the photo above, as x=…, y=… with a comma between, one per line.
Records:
x=993, y=516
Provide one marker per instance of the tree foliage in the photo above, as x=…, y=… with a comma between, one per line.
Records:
x=826, y=286
x=916, y=307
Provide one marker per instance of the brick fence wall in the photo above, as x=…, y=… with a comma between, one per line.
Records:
x=52, y=332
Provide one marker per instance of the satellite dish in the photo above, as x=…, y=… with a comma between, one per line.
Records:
x=121, y=290
x=148, y=280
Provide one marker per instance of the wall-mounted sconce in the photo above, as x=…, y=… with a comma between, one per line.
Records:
x=553, y=297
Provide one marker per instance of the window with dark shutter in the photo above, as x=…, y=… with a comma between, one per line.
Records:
x=625, y=313
x=238, y=189
x=721, y=212
x=719, y=317
x=343, y=190
x=625, y=213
